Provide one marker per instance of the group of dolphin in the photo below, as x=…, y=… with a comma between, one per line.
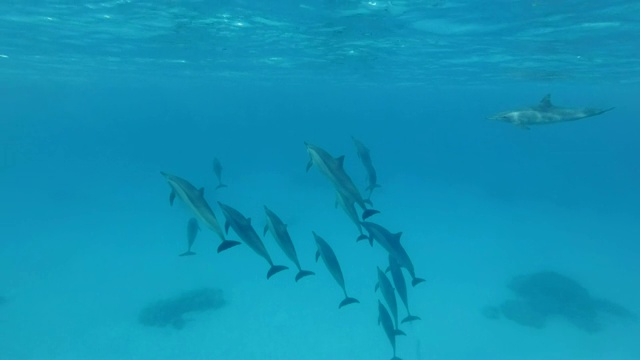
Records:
x=348, y=197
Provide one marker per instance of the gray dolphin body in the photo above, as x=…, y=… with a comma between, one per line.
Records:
x=192, y=232
x=391, y=242
x=333, y=169
x=349, y=208
x=365, y=156
x=194, y=199
x=546, y=113
x=278, y=230
x=401, y=287
x=242, y=226
x=217, y=169
x=387, y=325
x=389, y=295
x=331, y=261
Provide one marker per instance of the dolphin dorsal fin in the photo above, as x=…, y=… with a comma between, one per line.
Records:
x=545, y=103
x=398, y=235
x=201, y=191
x=340, y=161
x=249, y=221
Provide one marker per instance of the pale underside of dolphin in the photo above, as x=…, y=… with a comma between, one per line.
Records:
x=546, y=113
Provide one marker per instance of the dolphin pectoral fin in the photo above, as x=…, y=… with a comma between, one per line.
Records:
x=347, y=300
x=227, y=244
x=410, y=318
x=398, y=332
x=371, y=241
x=387, y=269
x=187, y=253
x=309, y=165
x=303, y=273
x=275, y=269
x=266, y=228
x=172, y=197
x=220, y=186
x=377, y=287
x=368, y=213
x=317, y=255
x=227, y=224
x=417, y=281
x=362, y=237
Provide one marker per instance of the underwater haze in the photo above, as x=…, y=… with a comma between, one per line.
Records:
x=527, y=235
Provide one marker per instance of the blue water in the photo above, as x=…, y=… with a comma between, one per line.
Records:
x=96, y=99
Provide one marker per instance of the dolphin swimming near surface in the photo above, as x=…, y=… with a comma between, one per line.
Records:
x=391, y=242
x=192, y=231
x=401, y=287
x=333, y=169
x=279, y=232
x=217, y=169
x=387, y=325
x=194, y=199
x=365, y=157
x=331, y=261
x=349, y=208
x=546, y=113
x=243, y=228
x=389, y=295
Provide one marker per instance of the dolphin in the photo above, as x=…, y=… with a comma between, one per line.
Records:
x=242, y=226
x=387, y=324
x=546, y=113
x=331, y=261
x=194, y=199
x=401, y=287
x=350, y=209
x=389, y=295
x=391, y=243
x=192, y=231
x=217, y=169
x=279, y=232
x=365, y=157
x=333, y=169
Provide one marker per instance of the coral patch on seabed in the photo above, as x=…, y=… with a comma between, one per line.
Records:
x=547, y=294
x=171, y=312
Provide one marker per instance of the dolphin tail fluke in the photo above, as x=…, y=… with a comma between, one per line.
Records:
x=275, y=269
x=368, y=213
x=303, y=273
x=348, y=300
x=187, y=253
x=220, y=186
x=417, y=281
x=410, y=318
x=395, y=358
x=227, y=244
